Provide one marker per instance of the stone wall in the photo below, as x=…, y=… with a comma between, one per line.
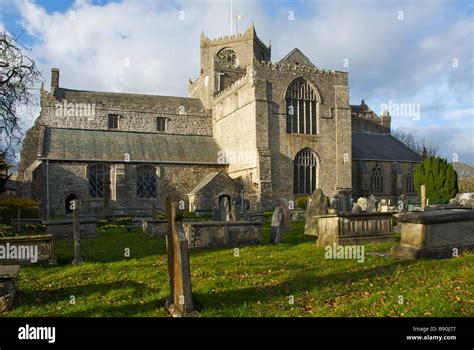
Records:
x=394, y=174
x=67, y=178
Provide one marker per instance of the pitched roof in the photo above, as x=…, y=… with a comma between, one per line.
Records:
x=297, y=57
x=381, y=147
x=104, y=145
x=127, y=98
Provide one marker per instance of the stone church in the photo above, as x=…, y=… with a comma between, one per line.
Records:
x=251, y=127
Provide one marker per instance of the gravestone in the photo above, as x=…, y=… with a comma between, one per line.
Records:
x=362, y=203
x=74, y=205
x=383, y=206
x=180, y=303
x=356, y=209
x=423, y=196
x=371, y=204
x=402, y=204
x=317, y=205
x=8, y=289
x=286, y=213
x=277, y=227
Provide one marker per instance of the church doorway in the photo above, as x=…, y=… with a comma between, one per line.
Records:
x=69, y=199
x=224, y=206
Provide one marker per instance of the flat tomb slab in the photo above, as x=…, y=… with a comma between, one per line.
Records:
x=205, y=234
x=436, y=234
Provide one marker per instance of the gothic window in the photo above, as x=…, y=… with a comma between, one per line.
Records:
x=300, y=108
x=146, y=181
x=228, y=57
x=304, y=173
x=113, y=121
x=161, y=124
x=376, y=179
x=99, y=180
x=410, y=185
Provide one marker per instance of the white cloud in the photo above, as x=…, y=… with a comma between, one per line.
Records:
x=408, y=60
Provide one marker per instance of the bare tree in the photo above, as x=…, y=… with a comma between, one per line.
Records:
x=18, y=76
x=420, y=146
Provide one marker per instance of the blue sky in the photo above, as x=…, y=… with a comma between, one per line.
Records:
x=412, y=53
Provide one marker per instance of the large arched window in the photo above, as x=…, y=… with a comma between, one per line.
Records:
x=376, y=179
x=146, y=181
x=410, y=185
x=304, y=174
x=300, y=107
x=99, y=180
x=228, y=57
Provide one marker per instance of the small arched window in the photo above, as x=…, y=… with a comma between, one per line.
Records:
x=227, y=57
x=300, y=107
x=376, y=179
x=146, y=181
x=99, y=180
x=304, y=173
x=410, y=185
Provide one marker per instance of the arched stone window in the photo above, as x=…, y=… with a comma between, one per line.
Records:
x=304, y=173
x=227, y=57
x=300, y=107
x=410, y=185
x=376, y=179
x=146, y=181
x=99, y=180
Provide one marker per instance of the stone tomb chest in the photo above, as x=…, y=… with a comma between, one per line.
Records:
x=206, y=234
x=350, y=228
x=435, y=233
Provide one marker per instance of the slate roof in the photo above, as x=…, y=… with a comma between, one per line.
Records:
x=381, y=147
x=296, y=56
x=127, y=98
x=104, y=145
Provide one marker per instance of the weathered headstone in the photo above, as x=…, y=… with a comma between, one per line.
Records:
x=362, y=203
x=277, y=227
x=343, y=199
x=180, y=303
x=402, y=204
x=356, y=209
x=286, y=212
x=371, y=204
x=423, y=196
x=383, y=206
x=317, y=205
x=74, y=205
x=8, y=289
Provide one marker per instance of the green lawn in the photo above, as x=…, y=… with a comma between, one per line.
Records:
x=261, y=281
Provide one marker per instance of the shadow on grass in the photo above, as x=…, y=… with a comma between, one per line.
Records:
x=301, y=283
x=33, y=298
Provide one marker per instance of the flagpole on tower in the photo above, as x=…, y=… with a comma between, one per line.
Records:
x=231, y=18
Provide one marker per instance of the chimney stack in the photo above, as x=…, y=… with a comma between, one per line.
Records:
x=386, y=121
x=55, y=78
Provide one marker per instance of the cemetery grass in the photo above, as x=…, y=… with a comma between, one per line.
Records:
x=290, y=279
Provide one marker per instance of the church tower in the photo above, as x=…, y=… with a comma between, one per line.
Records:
x=224, y=61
